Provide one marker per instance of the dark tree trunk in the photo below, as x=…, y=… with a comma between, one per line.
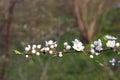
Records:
x=8, y=39
x=89, y=31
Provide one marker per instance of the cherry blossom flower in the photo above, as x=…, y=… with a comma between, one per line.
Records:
x=96, y=48
x=110, y=37
x=110, y=43
x=113, y=61
x=77, y=45
x=27, y=48
x=99, y=48
x=49, y=43
x=98, y=43
x=92, y=51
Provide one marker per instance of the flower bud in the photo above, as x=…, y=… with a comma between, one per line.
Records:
x=34, y=46
x=33, y=51
x=92, y=45
x=60, y=54
x=38, y=46
x=26, y=56
x=47, y=49
x=51, y=52
x=68, y=47
x=65, y=43
x=55, y=45
x=91, y=56
x=52, y=46
x=117, y=44
x=37, y=53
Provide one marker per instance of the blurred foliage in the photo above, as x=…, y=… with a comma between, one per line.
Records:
x=39, y=20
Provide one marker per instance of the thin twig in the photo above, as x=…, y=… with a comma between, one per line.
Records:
x=45, y=68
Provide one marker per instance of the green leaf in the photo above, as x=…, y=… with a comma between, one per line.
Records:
x=104, y=39
x=17, y=52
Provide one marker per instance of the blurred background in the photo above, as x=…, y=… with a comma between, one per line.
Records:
x=24, y=22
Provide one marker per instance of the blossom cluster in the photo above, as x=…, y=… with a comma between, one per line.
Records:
x=96, y=48
x=32, y=49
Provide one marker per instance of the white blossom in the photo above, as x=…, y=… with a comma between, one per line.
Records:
x=92, y=51
x=110, y=37
x=99, y=48
x=77, y=45
x=113, y=61
x=98, y=43
x=76, y=41
x=50, y=42
x=96, y=48
x=110, y=43
x=27, y=48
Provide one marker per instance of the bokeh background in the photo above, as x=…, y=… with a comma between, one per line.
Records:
x=24, y=22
